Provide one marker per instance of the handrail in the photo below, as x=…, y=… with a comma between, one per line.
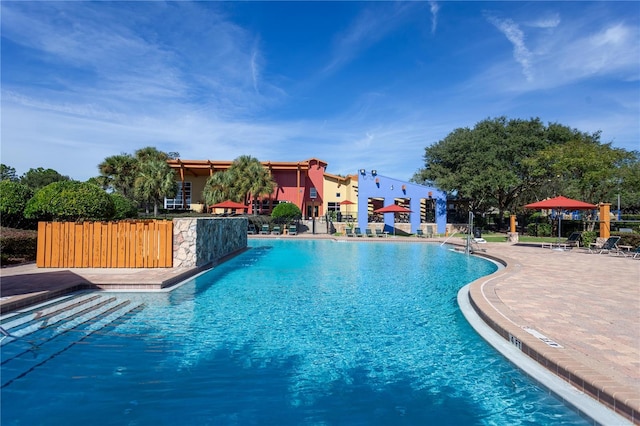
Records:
x=445, y=241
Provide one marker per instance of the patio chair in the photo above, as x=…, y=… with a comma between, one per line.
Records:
x=636, y=253
x=276, y=230
x=419, y=233
x=610, y=245
x=293, y=230
x=430, y=233
x=251, y=229
x=349, y=232
x=379, y=232
x=368, y=232
x=264, y=230
x=357, y=232
x=572, y=240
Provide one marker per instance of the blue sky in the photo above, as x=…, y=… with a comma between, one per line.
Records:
x=356, y=84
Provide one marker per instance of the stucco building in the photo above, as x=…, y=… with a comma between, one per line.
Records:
x=317, y=193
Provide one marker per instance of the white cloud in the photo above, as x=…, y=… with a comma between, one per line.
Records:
x=514, y=34
x=434, y=7
x=371, y=26
x=551, y=21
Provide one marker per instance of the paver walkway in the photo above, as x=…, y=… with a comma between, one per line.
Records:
x=576, y=313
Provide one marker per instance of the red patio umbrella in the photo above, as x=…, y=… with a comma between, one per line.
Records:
x=228, y=205
x=346, y=203
x=393, y=208
x=560, y=203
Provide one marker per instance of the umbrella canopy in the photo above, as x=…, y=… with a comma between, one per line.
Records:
x=346, y=203
x=228, y=205
x=393, y=208
x=561, y=203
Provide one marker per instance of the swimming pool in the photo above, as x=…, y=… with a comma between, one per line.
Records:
x=290, y=332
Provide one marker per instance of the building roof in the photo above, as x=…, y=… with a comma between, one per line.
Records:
x=208, y=167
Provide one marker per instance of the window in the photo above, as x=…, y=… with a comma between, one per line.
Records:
x=176, y=203
x=337, y=195
x=333, y=206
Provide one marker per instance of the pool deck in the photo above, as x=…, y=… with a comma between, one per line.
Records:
x=577, y=314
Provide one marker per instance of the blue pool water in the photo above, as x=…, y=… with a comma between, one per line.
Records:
x=288, y=333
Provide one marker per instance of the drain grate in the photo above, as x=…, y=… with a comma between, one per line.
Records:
x=542, y=337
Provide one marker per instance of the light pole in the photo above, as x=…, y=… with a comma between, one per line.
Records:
x=313, y=194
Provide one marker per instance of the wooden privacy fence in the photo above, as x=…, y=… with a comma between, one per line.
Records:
x=126, y=244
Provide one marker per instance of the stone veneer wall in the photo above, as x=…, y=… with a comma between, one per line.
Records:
x=198, y=242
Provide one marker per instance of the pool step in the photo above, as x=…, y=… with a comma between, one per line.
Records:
x=22, y=323
x=33, y=342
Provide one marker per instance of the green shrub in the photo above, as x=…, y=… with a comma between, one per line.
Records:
x=124, y=208
x=544, y=230
x=628, y=239
x=13, y=200
x=70, y=201
x=18, y=249
x=539, y=229
x=286, y=212
x=588, y=237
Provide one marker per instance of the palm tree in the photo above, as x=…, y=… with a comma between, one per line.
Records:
x=119, y=172
x=220, y=187
x=262, y=182
x=252, y=180
x=155, y=181
x=245, y=179
x=150, y=153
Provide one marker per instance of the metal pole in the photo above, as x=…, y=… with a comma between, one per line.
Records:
x=468, y=247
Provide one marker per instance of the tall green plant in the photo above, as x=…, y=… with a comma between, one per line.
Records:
x=70, y=201
x=13, y=200
x=118, y=172
x=154, y=182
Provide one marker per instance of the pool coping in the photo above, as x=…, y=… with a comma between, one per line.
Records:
x=620, y=399
x=582, y=403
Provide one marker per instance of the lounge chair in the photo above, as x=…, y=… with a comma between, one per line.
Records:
x=264, y=230
x=610, y=245
x=251, y=229
x=368, y=232
x=572, y=241
x=379, y=232
x=276, y=230
x=430, y=233
x=357, y=232
x=293, y=230
x=636, y=253
x=349, y=232
x=419, y=233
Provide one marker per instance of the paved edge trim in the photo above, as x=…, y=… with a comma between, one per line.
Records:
x=493, y=312
x=584, y=404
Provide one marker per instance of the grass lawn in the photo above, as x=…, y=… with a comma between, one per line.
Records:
x=502, y=238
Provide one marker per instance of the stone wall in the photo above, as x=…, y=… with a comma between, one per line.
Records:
x=199, y=242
